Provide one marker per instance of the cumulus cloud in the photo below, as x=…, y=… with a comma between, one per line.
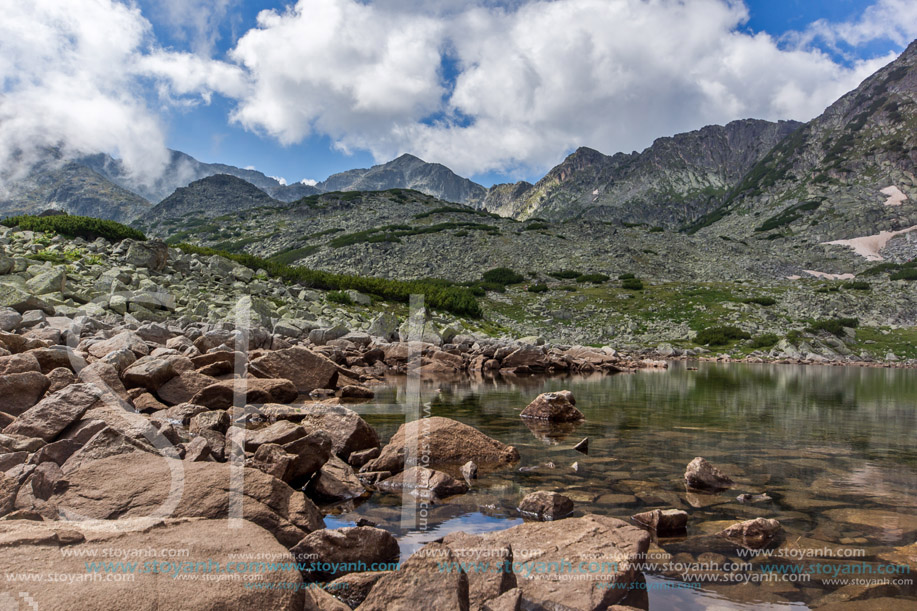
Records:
x=894, y=20
x=280, y=179
x=535, y=79
x=74, y=78
x=308, y=181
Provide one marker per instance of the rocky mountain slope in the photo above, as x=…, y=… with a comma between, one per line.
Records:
x=206, y=199
x=848, y=174
x=408, y=172
x=670, y=183
x=73, y=188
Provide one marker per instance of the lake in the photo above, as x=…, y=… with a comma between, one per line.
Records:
x=833, y=447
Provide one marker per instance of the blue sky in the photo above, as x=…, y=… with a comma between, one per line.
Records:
x=499, y=91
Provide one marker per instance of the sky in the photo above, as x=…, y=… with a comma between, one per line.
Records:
x=497, y=90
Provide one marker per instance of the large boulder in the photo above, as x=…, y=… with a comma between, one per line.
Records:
x=442, y=441
x=138, y=484
x=149, y=372
x=422, y=584
x=18, y=363
x=529, y=356
x=335, y=482
x=126, y=340
x=22, y=301
x=348, y=431
x=304, y=368
x=701, y=475
x=152, y=255
x=257, y=391
x=20, y=391
x=553, y=406
x=337, y=552
x=55, y=412
x=43, y=548
x=610, y=548
x=182, y=388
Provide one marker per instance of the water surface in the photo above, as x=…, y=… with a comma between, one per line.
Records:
x=835, y=449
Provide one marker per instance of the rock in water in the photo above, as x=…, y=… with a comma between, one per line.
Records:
x=663, y=522
x=444, y=442
x=424, y=483
x=611, y=547
x=544, y=505
x=338, y=551
x=582, y=446
x=701, y=475
x=553, y=406
x=753, y=534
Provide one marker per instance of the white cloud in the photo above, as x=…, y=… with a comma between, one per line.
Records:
x=280, y=179
x=74, y=75
x=308, y=181
x=535, y=80
x=894, y=20
x=195, y=21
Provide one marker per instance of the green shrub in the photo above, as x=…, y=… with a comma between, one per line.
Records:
x=503, y=275
x=857, y=285
x=593, y=278
x=788, y=215
x=632, y=284
x=538, y=288
x=835, y=326
x=438, y=294
x=293, y=254
x=626, y=276
x=765, y=341
x=84, y=227
x=492, y=286
x=339, y=297
x=720, y=336
x=565, y=274
x=793, y=336
x=905, y=274
x=760, y=300
x=567, y=287
x=536, y=227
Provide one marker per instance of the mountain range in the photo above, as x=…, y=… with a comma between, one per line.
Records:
x=809, y=183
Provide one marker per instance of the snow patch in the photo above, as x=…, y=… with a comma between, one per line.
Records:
x=827, y=276
x=895, y=196
x=870, y=246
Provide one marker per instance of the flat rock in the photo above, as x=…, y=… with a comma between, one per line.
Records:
x=257, y=391
x=612, y=547
x=182, y=388
x=303, y=367
x=40, y=548
x=56, y=412
x=348, y=431
x=344, y=549
x=140, y=485
x=421, y=584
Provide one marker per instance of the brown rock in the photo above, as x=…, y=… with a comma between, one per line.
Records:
x=553, y=406
x=318, y=599
x=216, y=420
x=9, y=487
x=484, y=585
x=344, y=548
x=40, y=546
x=56, y=412
x=182, y=388
x=424, y=483
x=701, y=475
x=60, y=378
x=335, y=482
x=664, y=522
x=355, y=391
x=348, y=431
x=273, y=460
x=358, y=459
x=304, y=368
x=511, y=600
x=197, y=450
x=446, y=442
x=421, y=584
x=126, y=340
x=280, y=433
x=611, y=546
x=352, y=589
x=105, y=377
x=19, y=363
x=20, y=391
x=136, y=485
x=753, y=534
x=150, y=372
x=544, y=505
x=147, y=403
x=258, y=391
x=309, y=453
x=107, y=442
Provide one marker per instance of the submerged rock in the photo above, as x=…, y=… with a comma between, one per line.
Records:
x=701, y=475
x=544, y=505
x=663, y=522
x=553, y=406
x=753, y=534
